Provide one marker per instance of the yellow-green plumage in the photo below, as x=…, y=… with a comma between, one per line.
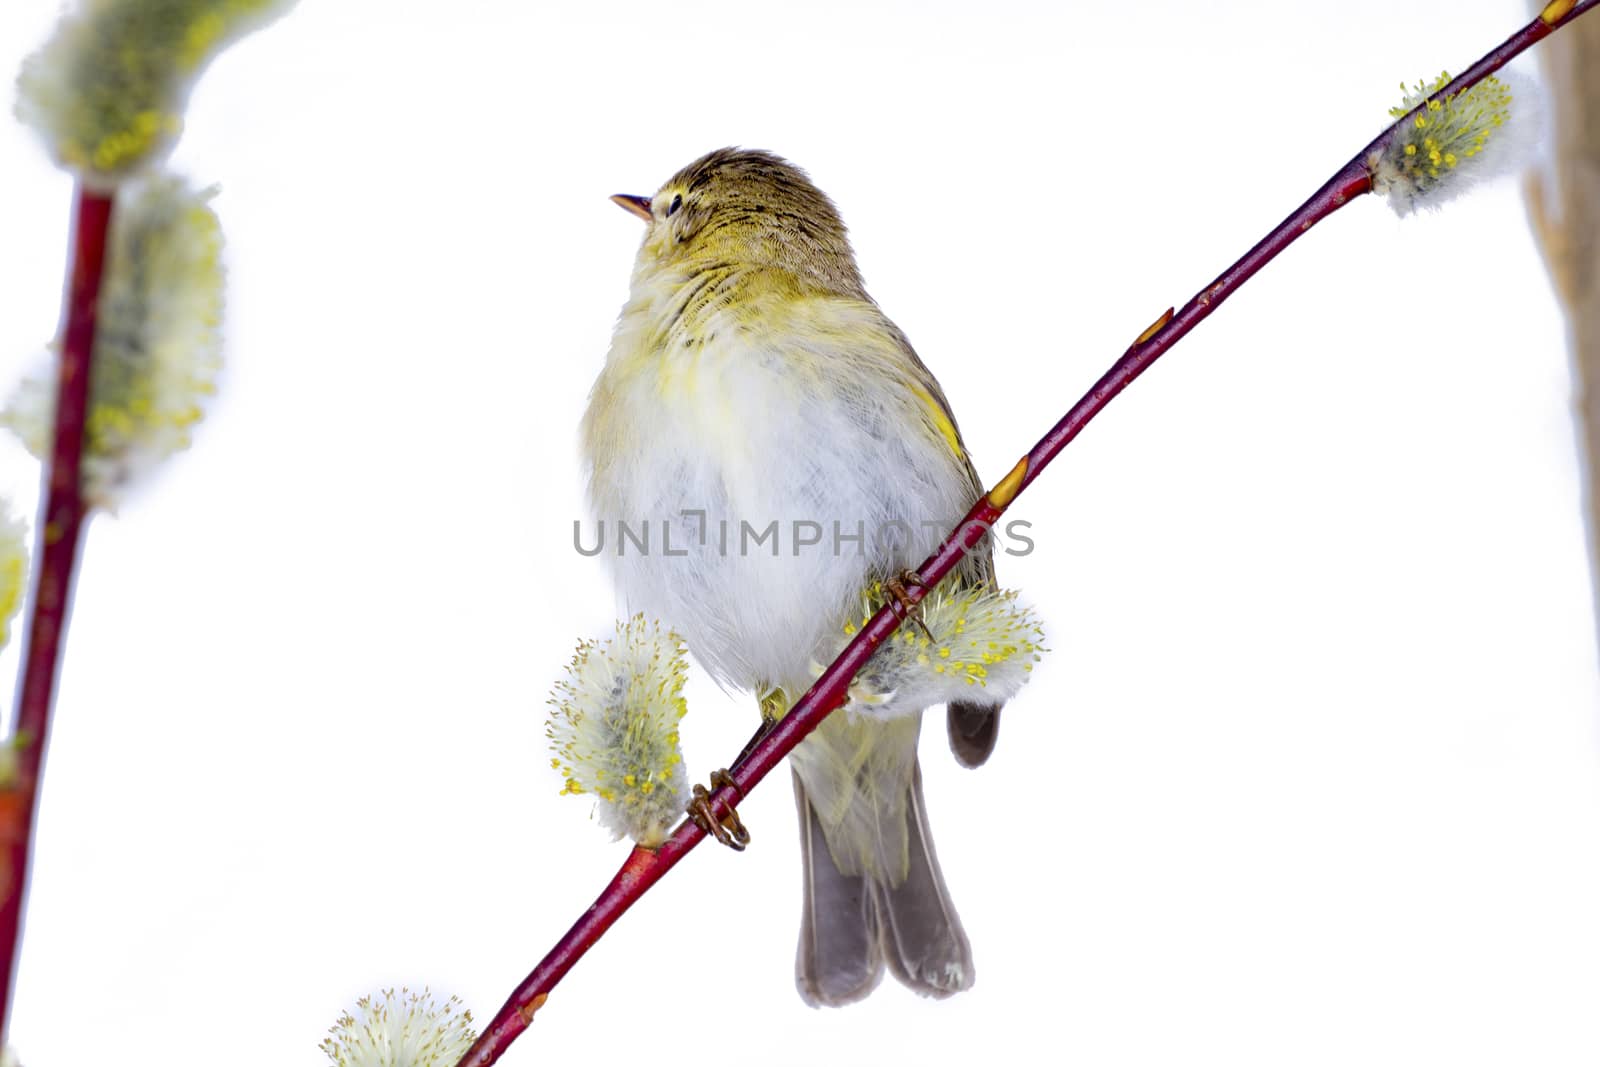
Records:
x=752, y=380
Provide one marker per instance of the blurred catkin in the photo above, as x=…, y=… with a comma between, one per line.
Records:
x=13, y=569
x=157, y=349
x=107, y=91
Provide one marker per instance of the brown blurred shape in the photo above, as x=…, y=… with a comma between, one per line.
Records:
x=1564, y=204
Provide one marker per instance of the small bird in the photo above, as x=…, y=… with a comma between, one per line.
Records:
x=760, y=411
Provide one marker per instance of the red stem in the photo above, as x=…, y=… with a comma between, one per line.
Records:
x=645, y=867
x=59, y=535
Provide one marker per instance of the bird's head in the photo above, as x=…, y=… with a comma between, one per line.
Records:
x=745, y=208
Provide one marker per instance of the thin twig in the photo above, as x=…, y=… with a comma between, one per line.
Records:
x=645, y=867
x=59, y=534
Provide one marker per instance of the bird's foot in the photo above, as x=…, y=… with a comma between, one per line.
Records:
x=729, y=830
x=900, y=600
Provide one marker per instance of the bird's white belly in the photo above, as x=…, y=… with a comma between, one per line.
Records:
x=755, y=505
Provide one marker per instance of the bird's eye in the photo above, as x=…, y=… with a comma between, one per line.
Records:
x=672, y=208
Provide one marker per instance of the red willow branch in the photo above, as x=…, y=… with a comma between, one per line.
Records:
x=644, y=867
x=59, y=535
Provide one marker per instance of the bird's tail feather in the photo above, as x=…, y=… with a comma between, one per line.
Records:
x=840, y=959
x=923, y=940
x=852, y=924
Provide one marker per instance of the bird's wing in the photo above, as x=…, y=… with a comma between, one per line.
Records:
x=925, y=387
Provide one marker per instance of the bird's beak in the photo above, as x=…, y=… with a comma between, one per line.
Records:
x=633, y=205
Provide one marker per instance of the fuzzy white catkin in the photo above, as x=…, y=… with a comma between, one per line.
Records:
x=613, y=729
x=158, y=340
x=408, y=1030
x=1489, y=131
x=108, y=90
x=983, y=644
x=13, y=569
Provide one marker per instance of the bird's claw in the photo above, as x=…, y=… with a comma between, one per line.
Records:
x=729, y=830
x=900, y=600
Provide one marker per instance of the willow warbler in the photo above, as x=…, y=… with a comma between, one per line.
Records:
x=761, y=416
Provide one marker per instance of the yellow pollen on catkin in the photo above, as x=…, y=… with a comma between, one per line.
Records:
x=157, y=348
x=1447, y=130
x=13, y=569
x=107, y=91
x=971, y=635
x=613, y=729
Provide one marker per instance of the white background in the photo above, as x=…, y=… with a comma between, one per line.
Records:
x=1309, y=777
